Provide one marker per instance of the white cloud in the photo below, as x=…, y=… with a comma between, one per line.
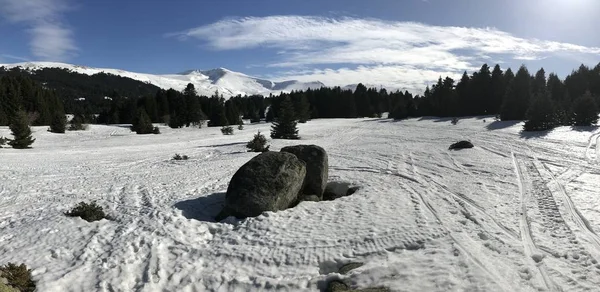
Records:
x=51, y=39
x=13, y=57
x=415, y=53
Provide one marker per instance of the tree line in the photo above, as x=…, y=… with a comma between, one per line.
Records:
x=543, y=101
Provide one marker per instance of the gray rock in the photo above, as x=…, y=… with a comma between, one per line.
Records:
x=345, y=269
x=317, y=167
x=461, y=145
x=271, y=181
x=337, y=286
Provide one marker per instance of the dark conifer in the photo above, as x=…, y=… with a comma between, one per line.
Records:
x=21, y=131
x=142, y=123
x=59, y=123
x=584, y=111
x=540, y=115
x=285, y=125
x=303, y=109
x=258, y=143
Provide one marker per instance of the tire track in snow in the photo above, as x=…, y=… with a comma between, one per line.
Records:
x=468, y=201
x=529, y=245
x=581, y=222
x=594, y=139
x=551, y=227
x=492, y=275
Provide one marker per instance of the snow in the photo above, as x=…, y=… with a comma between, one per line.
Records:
x=518, y=212
x=227, y=82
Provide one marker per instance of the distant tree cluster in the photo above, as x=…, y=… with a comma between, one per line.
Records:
x=542, y=101
x=184, y=109
x=82, y=93
x=21, y=93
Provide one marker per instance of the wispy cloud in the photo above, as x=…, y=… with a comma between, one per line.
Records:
x=368, y=48
x=8, y=56
x=51, y=38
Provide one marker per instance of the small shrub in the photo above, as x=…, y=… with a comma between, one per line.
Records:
x=240, y=127
x=18, y=277
x=3, y=141
x=156, y=131
x=258, y=143
x=180, y=157
x=227, y=130
x=88, y=212
x=455, y=121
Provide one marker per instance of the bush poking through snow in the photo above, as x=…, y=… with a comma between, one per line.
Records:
x=155, y=131
x=258, y=143
x=17, y=277
x=3, y=141
x=180, y=157
x=455, y=121
x=240, y=127
x=227, y=130
x=88, y=212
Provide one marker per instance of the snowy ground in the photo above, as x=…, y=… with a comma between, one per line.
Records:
x=515, y=213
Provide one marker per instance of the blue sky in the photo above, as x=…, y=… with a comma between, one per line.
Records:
x=399, y=43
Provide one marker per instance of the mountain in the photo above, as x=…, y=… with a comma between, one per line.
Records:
x=207, y=82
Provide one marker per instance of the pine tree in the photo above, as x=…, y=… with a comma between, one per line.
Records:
x=363, y=103
x=284, y=126
x=540, y=115
x=539, y=82
x=231, y=113
x=59, y=123
x=142, y=123
x=218, y=117
x=399, y=112
x=498, y=89
x=584, y=111
x=302, y=109
x=21, y=131
x=517, y=97
x=258, y=143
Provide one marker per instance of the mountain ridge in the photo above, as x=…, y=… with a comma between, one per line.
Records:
x=207, y=82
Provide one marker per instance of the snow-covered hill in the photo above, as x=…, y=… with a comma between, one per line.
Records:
x=227, y=82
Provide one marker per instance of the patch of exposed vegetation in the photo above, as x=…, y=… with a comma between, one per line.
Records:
x=88, y=212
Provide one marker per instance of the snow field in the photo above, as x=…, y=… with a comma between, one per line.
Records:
x=515, y=213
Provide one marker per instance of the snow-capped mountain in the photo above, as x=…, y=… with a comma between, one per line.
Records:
x=207, y=82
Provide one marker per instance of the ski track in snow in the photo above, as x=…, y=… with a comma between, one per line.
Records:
x=503, y=216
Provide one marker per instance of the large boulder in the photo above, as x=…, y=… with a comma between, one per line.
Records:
x=317, y=168
x=271, y=181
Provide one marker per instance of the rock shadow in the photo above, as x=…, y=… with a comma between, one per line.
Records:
x=203, y=208
x=223, y=145
x=338, y=189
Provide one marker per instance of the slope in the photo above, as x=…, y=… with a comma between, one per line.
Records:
x=507, y=215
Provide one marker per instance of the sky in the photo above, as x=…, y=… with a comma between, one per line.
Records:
x=404, y=44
